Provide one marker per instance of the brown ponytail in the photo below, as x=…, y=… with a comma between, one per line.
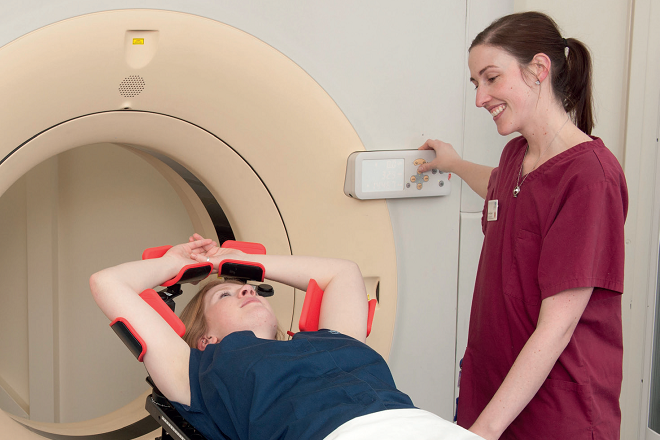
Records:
x=526, y=34
x=578, y=99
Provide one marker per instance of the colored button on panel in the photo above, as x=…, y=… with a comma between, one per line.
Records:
x=413, y=179
x=419, y=162
x=426, y=178
x=419, y=186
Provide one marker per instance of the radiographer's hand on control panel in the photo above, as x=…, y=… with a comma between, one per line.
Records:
x=445, y=156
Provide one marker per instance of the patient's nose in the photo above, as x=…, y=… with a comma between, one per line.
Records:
x=248, y=290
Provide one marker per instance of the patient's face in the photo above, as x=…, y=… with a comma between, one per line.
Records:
x=233, y=306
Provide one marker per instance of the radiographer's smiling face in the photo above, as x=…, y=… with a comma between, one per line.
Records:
x=502, y=87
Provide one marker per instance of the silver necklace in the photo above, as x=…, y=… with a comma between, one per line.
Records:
x=519, y=183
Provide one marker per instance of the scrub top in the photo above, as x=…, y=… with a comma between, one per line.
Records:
x=250, y=388
x=564, y=230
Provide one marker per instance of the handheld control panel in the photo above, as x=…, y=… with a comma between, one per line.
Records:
x=393, y=174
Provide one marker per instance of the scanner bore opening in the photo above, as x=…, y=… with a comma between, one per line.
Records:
x=59, y=299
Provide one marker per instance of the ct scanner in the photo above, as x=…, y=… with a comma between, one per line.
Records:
x=188, y=102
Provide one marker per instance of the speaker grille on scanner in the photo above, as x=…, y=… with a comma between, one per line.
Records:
x=131, y=86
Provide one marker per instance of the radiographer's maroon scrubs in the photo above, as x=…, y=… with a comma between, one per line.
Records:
x=563, y=231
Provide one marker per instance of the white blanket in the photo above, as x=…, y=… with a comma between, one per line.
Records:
x=401, y=424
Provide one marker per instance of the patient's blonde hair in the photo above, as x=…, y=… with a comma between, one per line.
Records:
x=194, y=319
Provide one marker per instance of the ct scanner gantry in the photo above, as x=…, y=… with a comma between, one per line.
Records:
x=250, y=124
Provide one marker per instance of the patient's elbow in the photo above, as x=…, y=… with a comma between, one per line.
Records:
x=95, y=283
x=352, y=266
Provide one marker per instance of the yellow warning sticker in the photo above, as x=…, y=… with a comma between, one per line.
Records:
x=138, y=40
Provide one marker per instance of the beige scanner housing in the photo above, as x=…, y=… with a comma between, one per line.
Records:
x=258, y=132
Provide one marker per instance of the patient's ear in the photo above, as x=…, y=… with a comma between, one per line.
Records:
x=204, y=341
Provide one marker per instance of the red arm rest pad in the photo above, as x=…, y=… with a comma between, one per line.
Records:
x=132, y=339
x=129, y=337
x=242, y=269
x=309, y=317
x=190, y=273
x=370, y=317
x=245, y=246
x=155, y=252
x=152, y=298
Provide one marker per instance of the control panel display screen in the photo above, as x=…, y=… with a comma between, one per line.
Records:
x=382, y=175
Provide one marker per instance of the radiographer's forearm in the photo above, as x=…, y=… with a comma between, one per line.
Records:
x=475, y=175
x=447, y=159
x=521, y=384
x=558, y=318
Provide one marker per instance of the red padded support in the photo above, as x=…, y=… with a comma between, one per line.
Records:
x=132, y=339
x=257, y=274
x=183, y=271
x=370, y=316
x=155, y=252
x=245, y=246
x=129, y=336
x=309, y=317
x=151, y=297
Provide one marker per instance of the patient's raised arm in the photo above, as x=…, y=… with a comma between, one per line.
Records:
x=116, y=291
x=344, y=306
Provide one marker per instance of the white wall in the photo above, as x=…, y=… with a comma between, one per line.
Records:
x=643, y=225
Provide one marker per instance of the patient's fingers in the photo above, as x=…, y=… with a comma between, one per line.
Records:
x=196, y=236
x=208, y=249
x=195, y=250
x=213, y=254
x=199, y=246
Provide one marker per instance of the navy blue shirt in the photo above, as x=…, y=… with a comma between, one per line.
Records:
x=250, y=388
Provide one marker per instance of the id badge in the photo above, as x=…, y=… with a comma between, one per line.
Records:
x=492, y=211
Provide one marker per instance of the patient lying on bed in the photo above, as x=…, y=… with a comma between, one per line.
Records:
x=232, y=379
